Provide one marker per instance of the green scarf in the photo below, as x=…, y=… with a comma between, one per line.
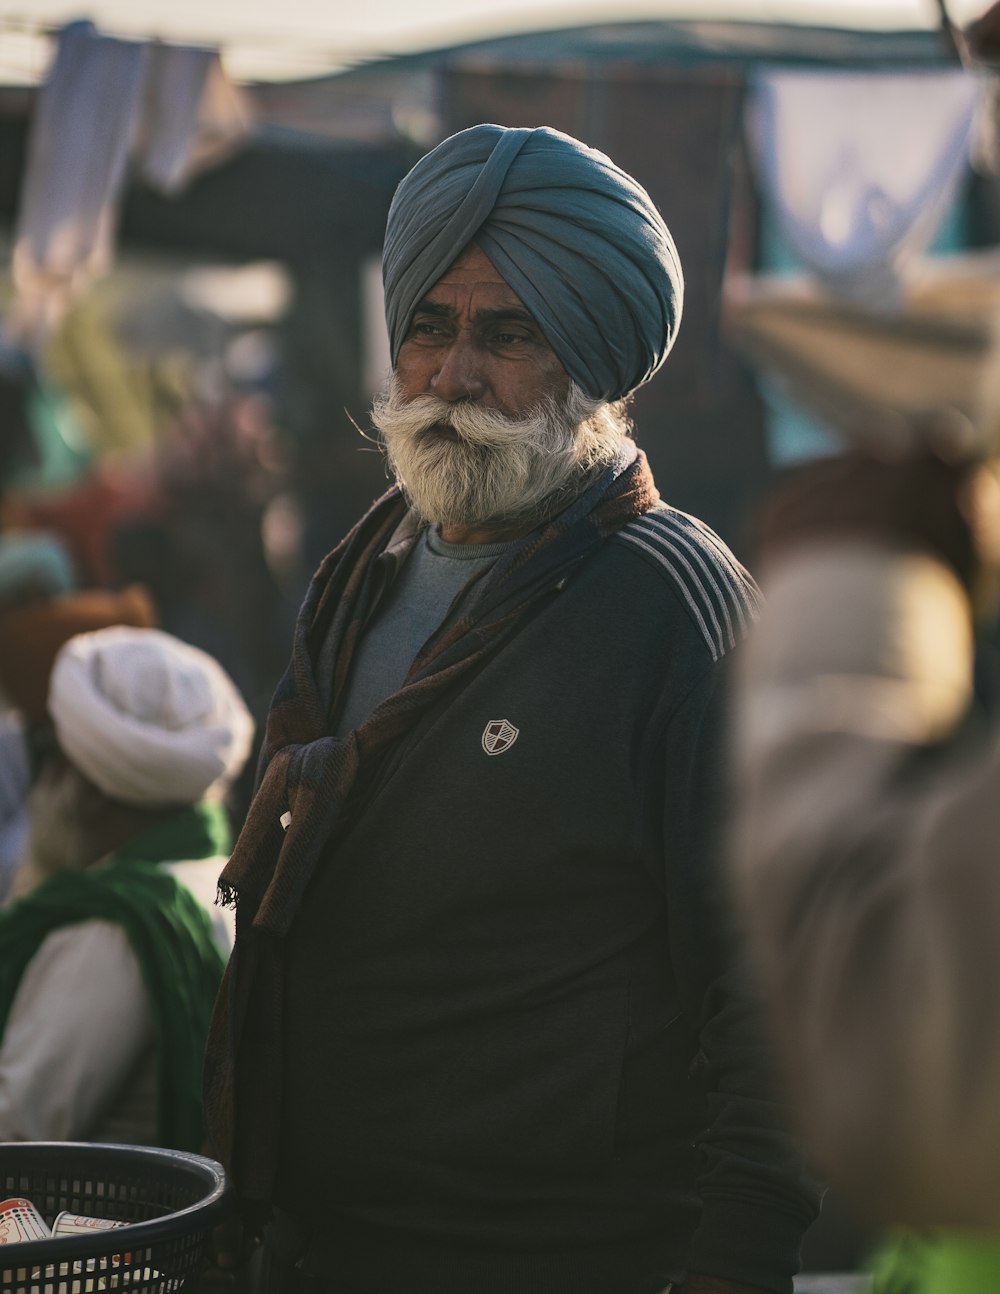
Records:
x=946, y=1262
x=170, y=934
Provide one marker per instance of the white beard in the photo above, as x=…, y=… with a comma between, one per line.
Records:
x=56, y=840
x=495, y=470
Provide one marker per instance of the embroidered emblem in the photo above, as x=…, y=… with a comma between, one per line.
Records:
x=499, y=735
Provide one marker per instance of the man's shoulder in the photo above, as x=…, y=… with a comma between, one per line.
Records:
x=712, y=586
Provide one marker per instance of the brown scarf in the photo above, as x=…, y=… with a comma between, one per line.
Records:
x=308, y=776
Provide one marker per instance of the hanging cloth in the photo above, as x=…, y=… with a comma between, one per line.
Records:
x=859, y=167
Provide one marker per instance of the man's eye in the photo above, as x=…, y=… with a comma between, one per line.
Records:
x=424, y=329
x=510, y=338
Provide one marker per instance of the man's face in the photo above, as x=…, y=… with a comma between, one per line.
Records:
x=471, y=339
x=480, y=424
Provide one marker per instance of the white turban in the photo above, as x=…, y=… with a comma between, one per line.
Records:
x=147, y=718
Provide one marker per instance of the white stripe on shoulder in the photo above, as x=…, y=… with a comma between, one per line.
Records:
x=718, y=591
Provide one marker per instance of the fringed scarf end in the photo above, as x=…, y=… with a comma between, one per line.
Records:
x=226, y=895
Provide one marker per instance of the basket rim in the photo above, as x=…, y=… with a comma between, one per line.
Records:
x=140, y=1234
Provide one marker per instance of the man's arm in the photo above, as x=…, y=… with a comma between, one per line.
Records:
x=758, y=1198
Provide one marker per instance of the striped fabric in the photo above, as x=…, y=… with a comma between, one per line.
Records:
x=718, y=592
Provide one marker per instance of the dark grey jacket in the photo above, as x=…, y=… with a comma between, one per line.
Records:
x=530, y=1066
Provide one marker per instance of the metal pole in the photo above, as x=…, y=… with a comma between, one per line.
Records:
x=953, y=36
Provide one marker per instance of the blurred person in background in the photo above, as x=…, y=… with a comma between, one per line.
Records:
x=32, y=568
x=39, y=611
x=112, y=950
x=483, y=1029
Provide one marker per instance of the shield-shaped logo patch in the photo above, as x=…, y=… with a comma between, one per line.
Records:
x=499, y=735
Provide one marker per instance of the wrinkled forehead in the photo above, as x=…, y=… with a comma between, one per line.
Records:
x=473, y=270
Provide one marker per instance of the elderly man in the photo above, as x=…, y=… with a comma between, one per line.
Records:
x=111, y=958
x=481, y=1031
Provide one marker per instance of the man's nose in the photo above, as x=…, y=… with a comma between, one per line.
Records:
x=460, y=373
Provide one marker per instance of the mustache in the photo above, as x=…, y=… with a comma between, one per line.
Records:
x=421, y=418
x=491, y=467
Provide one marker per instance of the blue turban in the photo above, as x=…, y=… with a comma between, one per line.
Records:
x=577, y=239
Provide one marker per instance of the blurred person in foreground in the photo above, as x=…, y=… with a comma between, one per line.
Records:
x=865, y=855
x=111, y=955
x=482, y=1030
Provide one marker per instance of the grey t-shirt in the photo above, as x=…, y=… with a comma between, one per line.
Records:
x=417, y=603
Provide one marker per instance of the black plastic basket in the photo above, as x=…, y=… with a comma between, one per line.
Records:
x=170, y=1202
